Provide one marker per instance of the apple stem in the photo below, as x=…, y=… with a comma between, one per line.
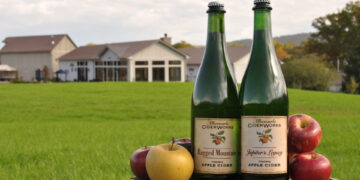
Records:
x=172, y=145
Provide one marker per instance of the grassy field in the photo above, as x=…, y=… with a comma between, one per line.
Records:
x=89, y=130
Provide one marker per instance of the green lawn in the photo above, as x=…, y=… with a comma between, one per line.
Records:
x=89, y=130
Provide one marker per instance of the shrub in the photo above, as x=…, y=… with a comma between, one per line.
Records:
x=352, y=86
x=309, y=72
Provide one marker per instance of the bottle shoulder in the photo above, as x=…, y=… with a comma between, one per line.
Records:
x=263, y=89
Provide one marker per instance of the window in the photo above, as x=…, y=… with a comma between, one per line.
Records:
x=175, y=74
x=158, y=74
x=82, y=63
x=158, y=62
x=82, y=74
x=99, y=74
x=110, y=71
x=122, y=74
x=191, y=69
x=99, y=63
x=110, y=74
x=174, y=62
x=141, y=74
x=141, y=63
x=121, y=63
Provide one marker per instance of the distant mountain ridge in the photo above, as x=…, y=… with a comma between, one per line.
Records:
x=294, y=38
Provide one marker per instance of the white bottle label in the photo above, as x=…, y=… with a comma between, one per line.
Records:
x=216, y=147
x=264, y=144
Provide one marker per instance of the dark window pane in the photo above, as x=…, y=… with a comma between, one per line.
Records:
x=82, y=74
x=175, y=74
x=105, y=70
x=99, y=74
x=174, y=62
x=141, y=63
x=141, y=74
x=110, y=74
x=158, y=62
x=123, y=74
x=122, y=63
x=158, y=74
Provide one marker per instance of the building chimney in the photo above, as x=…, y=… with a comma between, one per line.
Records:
x=166, y=38
x=52, y=40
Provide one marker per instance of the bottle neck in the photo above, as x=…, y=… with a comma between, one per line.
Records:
x=216, y=22
x=216, y=31
x=262, y=20
x=262, y=29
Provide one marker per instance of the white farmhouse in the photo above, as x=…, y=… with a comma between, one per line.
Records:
x=239, y=57
x=35, y=57
x=152, y=60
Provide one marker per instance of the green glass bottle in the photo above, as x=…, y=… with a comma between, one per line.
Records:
x=264, y=106
x=215, y=107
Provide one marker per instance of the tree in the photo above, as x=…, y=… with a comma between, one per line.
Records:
x=352, y=86
x=309, y=72
x=281, y=53
x=183, y=44
x=295, y=51
x=338, y=38
x=90, y=44
x=236, y=45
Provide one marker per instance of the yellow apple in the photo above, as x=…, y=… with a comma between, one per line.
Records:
x=169, y=162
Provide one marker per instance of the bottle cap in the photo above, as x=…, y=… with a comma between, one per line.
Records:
x=260, y=4
x=261, y=1
x=215, y=6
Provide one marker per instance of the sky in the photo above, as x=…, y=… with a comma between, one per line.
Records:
x=106, y=21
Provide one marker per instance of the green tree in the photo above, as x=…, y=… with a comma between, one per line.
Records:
x=183, y=44
x=309, y=72
x=338, y=38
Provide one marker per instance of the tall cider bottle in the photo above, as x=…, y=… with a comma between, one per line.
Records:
x=264, y=106
x=215, y=107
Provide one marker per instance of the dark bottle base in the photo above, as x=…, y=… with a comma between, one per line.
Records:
x=263, y=177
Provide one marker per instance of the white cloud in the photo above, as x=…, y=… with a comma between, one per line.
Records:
x=102, y=21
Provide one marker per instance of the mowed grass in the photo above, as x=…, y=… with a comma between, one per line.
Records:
x=89, y=130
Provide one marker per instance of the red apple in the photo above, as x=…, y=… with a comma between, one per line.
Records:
x=292, y=156
x=138, y=163
x=182, y=140
x=310, y=166
x=304, y=133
